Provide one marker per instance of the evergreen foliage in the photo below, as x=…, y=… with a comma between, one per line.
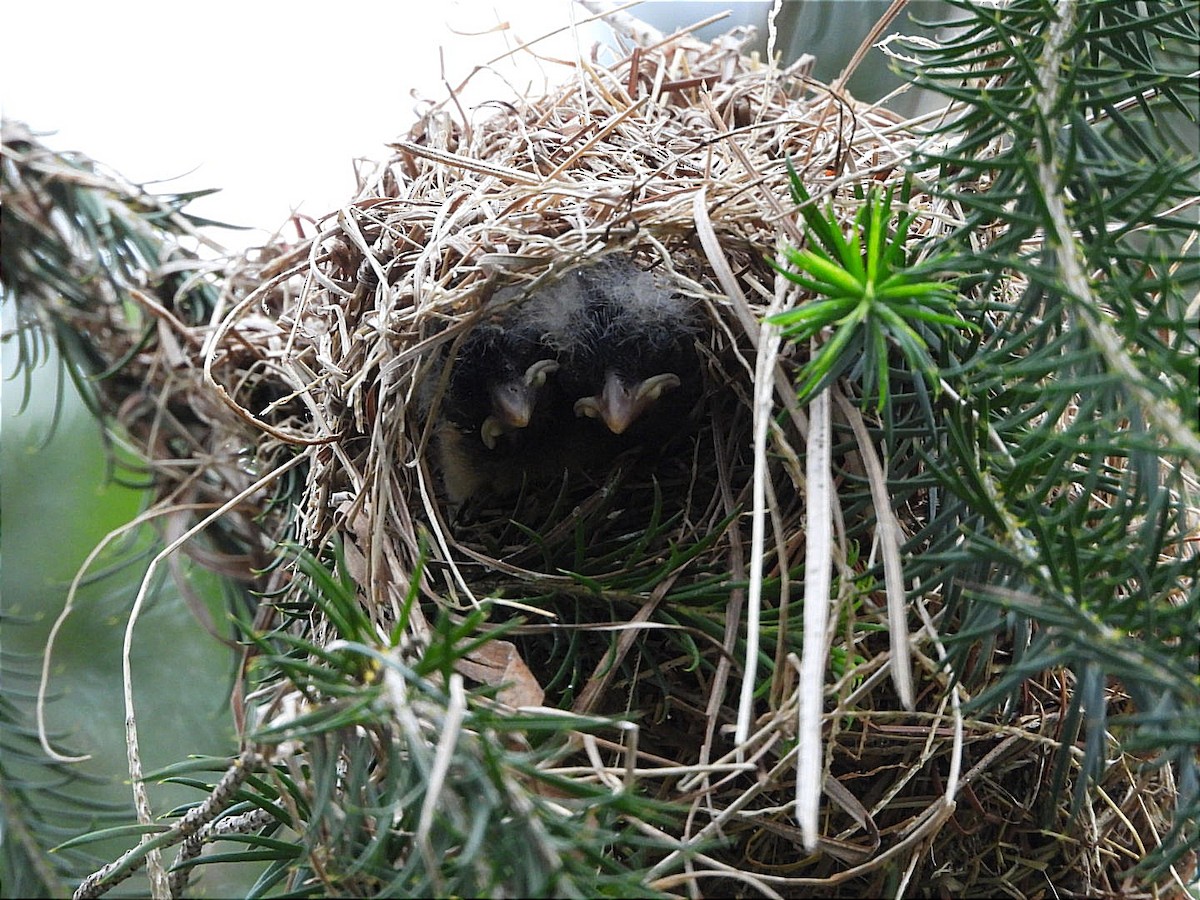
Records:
x=1065, y=537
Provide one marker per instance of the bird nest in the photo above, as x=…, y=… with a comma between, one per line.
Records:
x=671, y=161
x=620, y=583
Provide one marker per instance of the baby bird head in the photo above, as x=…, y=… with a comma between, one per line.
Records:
x=636, y=347
x=496, y=380
x=627, y=370
x=606, y=341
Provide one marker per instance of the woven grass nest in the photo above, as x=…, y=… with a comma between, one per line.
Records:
x=629, y=580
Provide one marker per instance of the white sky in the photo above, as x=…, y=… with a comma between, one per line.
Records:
x=268, y=101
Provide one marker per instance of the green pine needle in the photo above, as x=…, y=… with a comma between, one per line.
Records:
x=866, y=294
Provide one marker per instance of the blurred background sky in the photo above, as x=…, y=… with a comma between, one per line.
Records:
x=271, y=102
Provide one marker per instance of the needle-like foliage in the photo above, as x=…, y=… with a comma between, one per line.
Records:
x=409, y=784
x=42, y=801
x=868, y=292
x=74, y=238
x=1068, y=447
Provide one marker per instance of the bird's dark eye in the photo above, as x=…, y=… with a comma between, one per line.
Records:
x=511, y=393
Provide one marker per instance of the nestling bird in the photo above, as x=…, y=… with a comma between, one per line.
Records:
x=608, y=341
x=493, y=407
x=497, y=379
x=633, y=365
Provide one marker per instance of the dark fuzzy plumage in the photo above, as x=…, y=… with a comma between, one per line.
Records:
x=494, y=356
x=492, y=416
x=611, y=328
x=634, y=329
